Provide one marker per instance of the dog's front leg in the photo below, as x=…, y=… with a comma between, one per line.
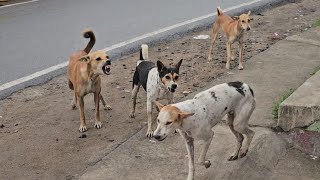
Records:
x=83, y=126
x=202, y=159
x=105, y=105
x=74, y=101
x=97, y=123
x=228, y=54
x=149, y=114
x=190, y=150
x=240, y=54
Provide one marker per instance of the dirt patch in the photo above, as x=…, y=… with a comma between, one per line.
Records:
x=39, y=132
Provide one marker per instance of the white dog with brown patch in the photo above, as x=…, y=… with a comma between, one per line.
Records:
x=195, y=118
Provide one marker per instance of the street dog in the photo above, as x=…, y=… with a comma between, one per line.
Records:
x=84, y=72
x=159, y=81
x=195, y=118
x=234, y=30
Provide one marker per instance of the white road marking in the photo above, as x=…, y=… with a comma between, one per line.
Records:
x=121, y=44
x=15, y=4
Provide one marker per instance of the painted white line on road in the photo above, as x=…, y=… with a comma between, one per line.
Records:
x=15, y=4
x=121, y=44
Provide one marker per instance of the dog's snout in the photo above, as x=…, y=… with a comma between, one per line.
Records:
x=174, y=86
x=108, y=62
x=248, y=28
x=157, y=137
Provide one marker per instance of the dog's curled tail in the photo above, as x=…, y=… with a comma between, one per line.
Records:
x=219, y=11
x=88, y=33
x=144, y=52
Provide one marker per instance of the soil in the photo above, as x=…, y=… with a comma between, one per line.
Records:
x=39, y=134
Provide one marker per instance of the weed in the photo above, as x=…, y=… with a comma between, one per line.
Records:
x=276, y=105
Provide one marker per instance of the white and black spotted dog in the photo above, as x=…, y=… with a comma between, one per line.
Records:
x=195, y=118
x=159, y=81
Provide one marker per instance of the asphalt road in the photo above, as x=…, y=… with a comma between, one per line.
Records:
x=41, y=34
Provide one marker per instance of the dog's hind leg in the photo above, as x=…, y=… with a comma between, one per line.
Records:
x=190, y=150
x=135, y=91
x=74, y=101
x=214, y=34
x=241, y=125
x=202, y=159
x=238, y=135
x=97, y=123
x=105, y=105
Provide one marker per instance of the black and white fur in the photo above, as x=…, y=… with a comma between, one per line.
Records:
x=159, y=81
x=195, y=118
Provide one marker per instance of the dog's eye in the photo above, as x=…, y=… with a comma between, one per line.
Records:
x=176, y=78
x=107, y=57
x=168, y=77
x=158, y=121
x=243, y=21
x=248, y=20
x=168, y=123
x=98, y=59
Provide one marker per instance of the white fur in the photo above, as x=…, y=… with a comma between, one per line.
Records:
x=145, y=50
x=209, y=107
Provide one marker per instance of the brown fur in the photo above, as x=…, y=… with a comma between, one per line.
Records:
x=83, y=77
x=234, y=30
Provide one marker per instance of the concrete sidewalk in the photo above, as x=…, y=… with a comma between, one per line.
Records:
x=287, y=64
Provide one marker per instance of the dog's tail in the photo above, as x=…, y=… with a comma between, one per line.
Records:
x=88, y=33
x=219, y=11
x=144, y=52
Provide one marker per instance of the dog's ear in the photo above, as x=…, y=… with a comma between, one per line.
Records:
x=235, y=18
x=249, y=13
x=84, y=58
x=183, y=115
x=177, y=66
x=158, y=105
x=160, y=65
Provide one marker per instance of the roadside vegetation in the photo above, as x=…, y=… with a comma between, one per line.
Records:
x=276, y=105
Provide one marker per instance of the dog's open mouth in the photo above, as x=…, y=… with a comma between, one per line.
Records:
x=106, y=69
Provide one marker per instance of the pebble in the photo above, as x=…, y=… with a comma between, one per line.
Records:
x=111, y=140
x=16, y=124
x=83, y=136
x=186, y=92
x=2, y=126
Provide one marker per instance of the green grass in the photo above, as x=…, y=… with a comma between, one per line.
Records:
x=317, y=23
x=314, y=127
x=276, y=105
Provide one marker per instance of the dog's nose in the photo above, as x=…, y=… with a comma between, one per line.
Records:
x=248, y=28
x=108, y=62
x=157, y=137
x=174, y=86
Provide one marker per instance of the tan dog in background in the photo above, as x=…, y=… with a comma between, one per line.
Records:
x=234, y=29
x=83, y=77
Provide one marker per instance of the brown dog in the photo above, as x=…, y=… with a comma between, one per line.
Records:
x=83, y=77
x=234, y=29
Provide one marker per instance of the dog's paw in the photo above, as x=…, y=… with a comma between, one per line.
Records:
x=83, y=129
x=207, y=164
x=98, y=125
x=228, y=66
x=240, y=67
x=233, y=157
x=243, y=153
x=107, y=107
x=149, y=133
x=132, y=115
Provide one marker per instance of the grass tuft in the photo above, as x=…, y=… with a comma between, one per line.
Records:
x=317, y=23
x=276, y=105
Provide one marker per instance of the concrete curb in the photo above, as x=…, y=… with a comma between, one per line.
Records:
x=116, y=51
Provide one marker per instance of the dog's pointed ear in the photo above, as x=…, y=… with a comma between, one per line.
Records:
x=160, y=65
x=249, y=13
x=84, y=58
x=158, y=105
x=177, y=66
x=183, y=115
x=235, y=17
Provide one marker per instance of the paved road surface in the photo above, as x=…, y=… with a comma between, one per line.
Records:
x=41, y=34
